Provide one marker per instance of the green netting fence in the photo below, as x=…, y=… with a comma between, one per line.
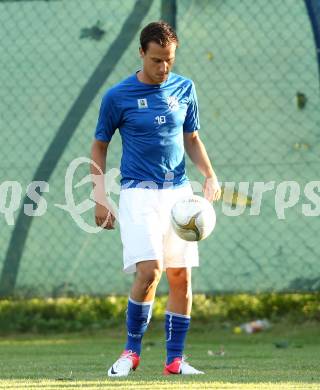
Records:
x=256, y=69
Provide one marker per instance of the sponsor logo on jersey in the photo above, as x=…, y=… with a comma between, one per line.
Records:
x=142, y=103
x=173, y=103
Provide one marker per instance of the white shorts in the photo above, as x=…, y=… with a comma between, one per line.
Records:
x=146, y=231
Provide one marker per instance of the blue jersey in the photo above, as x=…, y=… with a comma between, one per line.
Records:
x=151, y=119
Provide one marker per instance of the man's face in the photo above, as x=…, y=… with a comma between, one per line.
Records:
x=157, y=62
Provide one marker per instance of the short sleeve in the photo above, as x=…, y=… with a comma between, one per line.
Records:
x=192, y=121
x=109, y=118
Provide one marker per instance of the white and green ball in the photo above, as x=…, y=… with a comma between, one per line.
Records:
x=193, y=218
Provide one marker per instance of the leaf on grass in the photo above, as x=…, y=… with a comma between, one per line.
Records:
x=65, y=378
x=221, y=352
x=281, y=344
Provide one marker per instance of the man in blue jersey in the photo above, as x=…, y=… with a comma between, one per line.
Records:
x=156, y=112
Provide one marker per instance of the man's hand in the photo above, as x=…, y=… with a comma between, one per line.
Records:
x=211, y=189
x=104, y=217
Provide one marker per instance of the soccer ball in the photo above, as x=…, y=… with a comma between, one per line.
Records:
x=193, y=218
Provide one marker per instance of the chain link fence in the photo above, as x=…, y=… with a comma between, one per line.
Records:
x=256, y=69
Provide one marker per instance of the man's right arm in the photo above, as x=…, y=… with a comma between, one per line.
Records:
x=103, y=215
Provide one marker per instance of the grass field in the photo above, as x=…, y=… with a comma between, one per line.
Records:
x=284, y=357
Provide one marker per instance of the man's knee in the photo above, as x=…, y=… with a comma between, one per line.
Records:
x=149, y=276
x=179, y=279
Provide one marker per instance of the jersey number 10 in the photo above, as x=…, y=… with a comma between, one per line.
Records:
x=161, y=119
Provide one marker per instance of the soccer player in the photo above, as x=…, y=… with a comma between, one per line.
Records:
x=156, y=112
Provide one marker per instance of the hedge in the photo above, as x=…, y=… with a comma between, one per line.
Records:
x=83, y=313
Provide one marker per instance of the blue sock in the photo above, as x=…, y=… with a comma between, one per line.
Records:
x=138, y=318
x=177, y=326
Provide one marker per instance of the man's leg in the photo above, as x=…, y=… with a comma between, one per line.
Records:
x=147, y=277
x=148, y=274
x=180, y=292
x=140, y=302
x=178, y=320
x=178, y=311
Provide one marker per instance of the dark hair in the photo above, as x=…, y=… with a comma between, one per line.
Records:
x=159, y=32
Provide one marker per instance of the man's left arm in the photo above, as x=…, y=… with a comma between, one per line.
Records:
x=199, y=156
